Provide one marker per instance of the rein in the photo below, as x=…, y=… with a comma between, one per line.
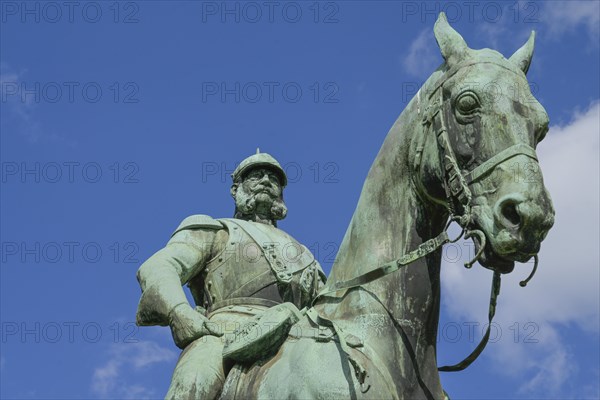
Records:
x=458, y=204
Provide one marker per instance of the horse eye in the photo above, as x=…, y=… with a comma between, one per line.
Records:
x=467, y=103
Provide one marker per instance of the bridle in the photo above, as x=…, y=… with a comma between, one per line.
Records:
x=458, y=199
x=457, y=182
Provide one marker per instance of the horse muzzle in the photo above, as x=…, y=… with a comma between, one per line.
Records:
x=519, y=227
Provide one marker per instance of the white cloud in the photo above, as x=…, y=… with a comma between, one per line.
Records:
x=517, y=19
x=20, y=106
x=508, y=26
x=108, y=381
x=552, y=371
x=567, y=16
x=564, y=294
x=423, y=55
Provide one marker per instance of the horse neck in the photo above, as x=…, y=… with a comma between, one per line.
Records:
x=390, y=220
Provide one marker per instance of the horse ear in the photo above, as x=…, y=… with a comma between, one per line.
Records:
x=452, y=45
x=522, y=57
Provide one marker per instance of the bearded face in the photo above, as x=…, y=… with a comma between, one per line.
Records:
x=259, y=194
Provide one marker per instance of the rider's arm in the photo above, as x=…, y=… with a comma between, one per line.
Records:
x=161, y=277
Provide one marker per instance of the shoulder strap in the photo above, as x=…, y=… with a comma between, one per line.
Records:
x=265, y=243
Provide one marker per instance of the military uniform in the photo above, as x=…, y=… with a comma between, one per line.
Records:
x=234, y=269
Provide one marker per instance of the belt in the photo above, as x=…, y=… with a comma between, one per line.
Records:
x=242, y=301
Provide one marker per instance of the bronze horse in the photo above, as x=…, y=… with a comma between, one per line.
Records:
x=449, y=156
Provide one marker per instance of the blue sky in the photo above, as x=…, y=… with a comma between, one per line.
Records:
x=119, y=119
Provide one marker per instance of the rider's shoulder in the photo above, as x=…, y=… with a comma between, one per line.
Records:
x=198, y=221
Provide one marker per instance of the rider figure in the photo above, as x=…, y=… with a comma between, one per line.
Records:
x=235, y=268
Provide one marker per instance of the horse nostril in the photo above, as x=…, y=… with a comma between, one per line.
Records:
x=510, y=213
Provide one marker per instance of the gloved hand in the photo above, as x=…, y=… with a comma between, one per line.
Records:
x=188, y=325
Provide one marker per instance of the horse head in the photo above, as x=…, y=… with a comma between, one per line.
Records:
x=477, y=157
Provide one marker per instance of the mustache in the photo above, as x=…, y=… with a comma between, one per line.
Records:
x=264, y=189
x=245, y=201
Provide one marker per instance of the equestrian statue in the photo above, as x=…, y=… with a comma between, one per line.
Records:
x=268, y=325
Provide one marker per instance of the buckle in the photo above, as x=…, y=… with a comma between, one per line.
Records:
x=322, y=335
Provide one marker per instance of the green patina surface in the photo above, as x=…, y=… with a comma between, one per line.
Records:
x=464, y=148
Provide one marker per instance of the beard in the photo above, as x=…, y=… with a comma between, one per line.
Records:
x=263, y=202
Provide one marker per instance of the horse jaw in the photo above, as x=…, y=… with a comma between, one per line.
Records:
x=491, y=260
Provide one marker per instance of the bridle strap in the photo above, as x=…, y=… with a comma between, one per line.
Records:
x=457, y=182
x=458, y=194
x=453, y=70
x=487, y=166
x=424, y=249
x=484, y=341
x=492, y=311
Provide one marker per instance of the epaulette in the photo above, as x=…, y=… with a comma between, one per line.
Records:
x=198, y=221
